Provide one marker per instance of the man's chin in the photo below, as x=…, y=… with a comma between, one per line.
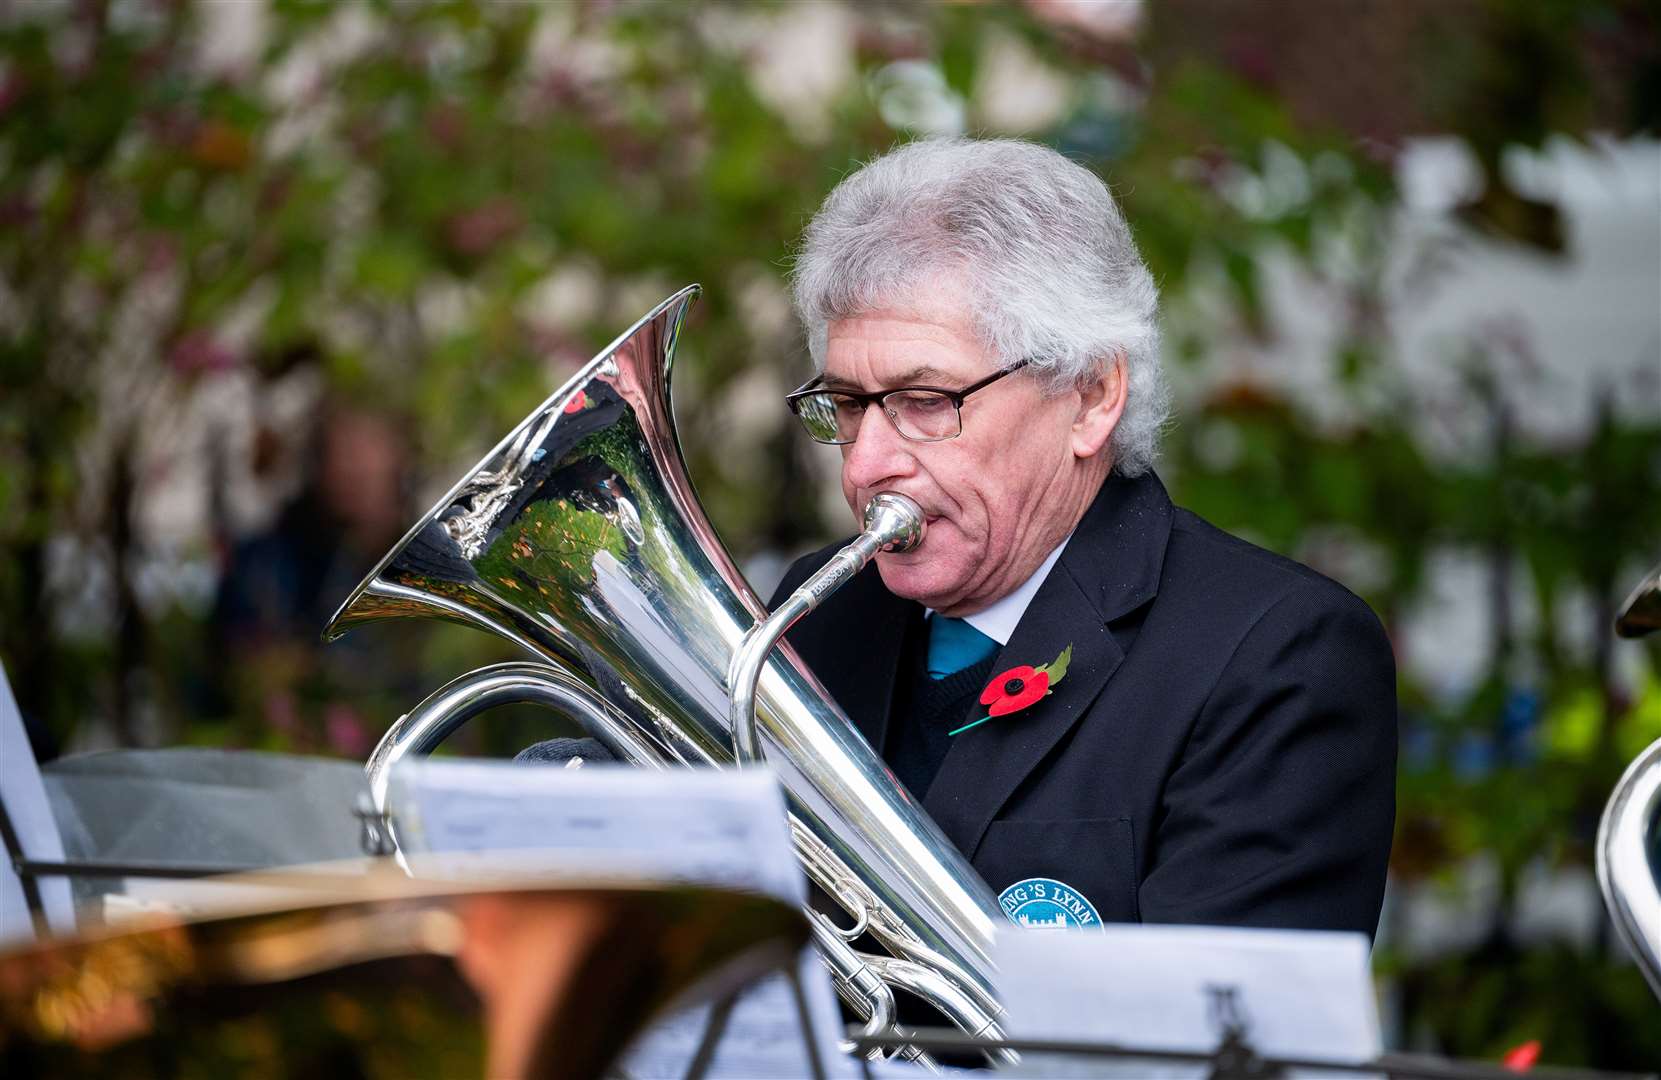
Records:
x=912, y=579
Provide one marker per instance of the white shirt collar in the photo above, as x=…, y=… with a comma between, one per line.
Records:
x=998, y=621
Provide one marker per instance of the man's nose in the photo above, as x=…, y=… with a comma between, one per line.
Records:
x=878, y=451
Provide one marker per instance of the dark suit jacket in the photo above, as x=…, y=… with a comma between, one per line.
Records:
x=1221, y=750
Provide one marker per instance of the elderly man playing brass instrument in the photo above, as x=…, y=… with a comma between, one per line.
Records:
x=1115, y=710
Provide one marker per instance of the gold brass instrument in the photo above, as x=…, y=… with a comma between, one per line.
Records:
x=579, y=539
x=346, y=973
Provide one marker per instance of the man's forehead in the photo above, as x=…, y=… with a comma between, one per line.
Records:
x=897, y=349
x=917, y=375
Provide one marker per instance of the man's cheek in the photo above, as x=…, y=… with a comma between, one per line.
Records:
x=852, y=497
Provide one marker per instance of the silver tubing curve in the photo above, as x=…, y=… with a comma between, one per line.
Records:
x=420, y=731
x=1626, y=837
x=893, y=523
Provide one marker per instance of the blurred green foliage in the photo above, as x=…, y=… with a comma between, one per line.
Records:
x=386, y=191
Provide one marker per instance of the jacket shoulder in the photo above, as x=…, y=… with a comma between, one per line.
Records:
x=1206, y=563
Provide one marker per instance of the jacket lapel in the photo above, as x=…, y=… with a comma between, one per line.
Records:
x=1110, y=568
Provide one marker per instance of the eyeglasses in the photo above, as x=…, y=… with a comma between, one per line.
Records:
x=919, y=413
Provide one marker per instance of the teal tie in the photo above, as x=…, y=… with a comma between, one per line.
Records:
x=955, y=645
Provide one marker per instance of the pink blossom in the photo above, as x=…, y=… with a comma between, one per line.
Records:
x=476, y=231
x=345, y=731
x=199, y=352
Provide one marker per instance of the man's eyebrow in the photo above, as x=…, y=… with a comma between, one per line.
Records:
x=923, y=375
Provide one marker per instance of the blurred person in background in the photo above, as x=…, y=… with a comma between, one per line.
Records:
x=281, y=585
x=1115, y=710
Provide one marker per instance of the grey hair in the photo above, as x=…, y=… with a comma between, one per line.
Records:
x=1039, y=245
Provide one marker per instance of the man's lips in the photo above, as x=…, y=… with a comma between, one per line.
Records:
x=929, y=514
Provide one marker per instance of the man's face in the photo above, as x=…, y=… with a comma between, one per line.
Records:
x=998, y=498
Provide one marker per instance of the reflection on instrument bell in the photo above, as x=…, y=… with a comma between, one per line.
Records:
x=385, y=976
x=580, y=539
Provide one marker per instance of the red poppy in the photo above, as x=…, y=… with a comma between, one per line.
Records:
x=1014, y=690
x=578, y=403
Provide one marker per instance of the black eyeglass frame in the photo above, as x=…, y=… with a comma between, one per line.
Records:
x=868, y=398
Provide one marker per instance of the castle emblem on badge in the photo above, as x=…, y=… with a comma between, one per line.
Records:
x=1043, y=903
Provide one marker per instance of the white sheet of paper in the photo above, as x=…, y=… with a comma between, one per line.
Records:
x=696, y=826
x=1303, y=994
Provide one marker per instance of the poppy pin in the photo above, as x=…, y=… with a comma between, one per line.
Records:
x=1013, y=690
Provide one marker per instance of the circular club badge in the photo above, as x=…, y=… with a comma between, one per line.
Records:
x=1042, y=903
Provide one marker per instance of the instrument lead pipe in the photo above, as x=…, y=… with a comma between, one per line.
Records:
x=892, y=523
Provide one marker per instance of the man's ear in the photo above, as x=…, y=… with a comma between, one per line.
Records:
x=1101, y=403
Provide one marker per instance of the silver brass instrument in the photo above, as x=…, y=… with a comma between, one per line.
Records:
x=579, y=539
x=1629, y=834
x=1641, y=613
x=1629, y=861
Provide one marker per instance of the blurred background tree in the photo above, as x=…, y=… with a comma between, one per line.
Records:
x=272, y=274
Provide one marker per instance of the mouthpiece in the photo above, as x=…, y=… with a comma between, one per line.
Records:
x=894, y=522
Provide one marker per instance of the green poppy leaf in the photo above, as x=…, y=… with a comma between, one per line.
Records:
x=1058, y=667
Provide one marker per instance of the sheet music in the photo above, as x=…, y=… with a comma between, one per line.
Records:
x=1305, y=994
x=699, y=826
